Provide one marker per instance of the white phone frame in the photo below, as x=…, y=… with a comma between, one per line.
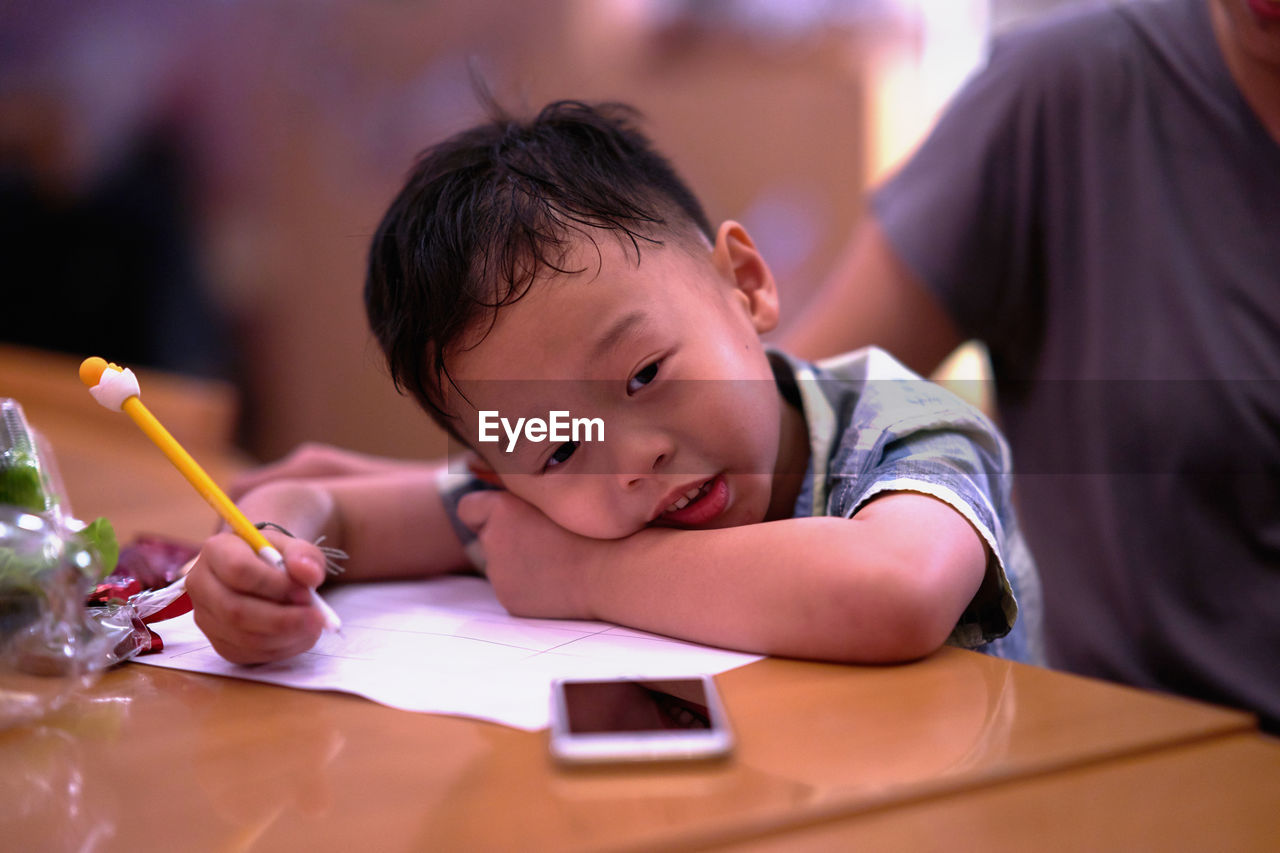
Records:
x=629, y=746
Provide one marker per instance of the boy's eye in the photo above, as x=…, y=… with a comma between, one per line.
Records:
x=643, y=378
x=561, y=454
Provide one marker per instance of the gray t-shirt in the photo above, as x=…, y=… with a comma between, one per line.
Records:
x=1102, y=207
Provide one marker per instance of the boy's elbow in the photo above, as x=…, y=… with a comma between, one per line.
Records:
x=907, y=629
x=918, y=565
x=930, y=600
x=911, y=618
x=922, y=625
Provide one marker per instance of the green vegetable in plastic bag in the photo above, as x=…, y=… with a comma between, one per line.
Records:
x=22, y=480
x=25, y=483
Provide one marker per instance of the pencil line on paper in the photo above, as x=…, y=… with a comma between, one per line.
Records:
x=446, y=635
x=559, y=646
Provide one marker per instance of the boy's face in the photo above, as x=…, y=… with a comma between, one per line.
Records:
x=666, y=354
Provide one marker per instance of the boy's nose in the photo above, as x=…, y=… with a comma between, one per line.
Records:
x=644, y=457
x=634, y=479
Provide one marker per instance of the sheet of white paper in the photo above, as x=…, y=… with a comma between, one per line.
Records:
x=446, y=646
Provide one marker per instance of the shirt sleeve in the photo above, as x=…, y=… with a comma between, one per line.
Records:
x=914, y=436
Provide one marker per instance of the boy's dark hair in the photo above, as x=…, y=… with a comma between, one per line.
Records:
x=484, y=213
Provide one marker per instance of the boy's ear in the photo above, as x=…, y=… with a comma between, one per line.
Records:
x=737, y=258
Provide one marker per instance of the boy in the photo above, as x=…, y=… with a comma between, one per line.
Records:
x=729, y=496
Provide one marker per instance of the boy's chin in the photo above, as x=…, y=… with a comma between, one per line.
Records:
x=602, y=533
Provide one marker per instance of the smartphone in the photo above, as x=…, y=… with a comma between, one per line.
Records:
x=615, y=720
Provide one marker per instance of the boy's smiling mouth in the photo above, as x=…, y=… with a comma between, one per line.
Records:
x=697, y=503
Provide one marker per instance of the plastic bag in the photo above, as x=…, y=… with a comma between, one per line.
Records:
x=49, y=646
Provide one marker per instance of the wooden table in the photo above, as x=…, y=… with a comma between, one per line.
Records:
x=958, y=750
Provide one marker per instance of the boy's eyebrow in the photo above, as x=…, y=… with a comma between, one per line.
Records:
x=619, y=330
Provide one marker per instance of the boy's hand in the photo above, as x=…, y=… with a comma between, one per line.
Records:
x=535, y=566
x=250, y=611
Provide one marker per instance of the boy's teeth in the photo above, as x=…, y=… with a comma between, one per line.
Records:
x=688, y=496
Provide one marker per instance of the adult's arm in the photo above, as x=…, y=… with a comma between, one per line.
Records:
x=874, y=298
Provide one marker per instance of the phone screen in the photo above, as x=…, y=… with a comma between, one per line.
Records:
x=636, y=706
x=638, y=720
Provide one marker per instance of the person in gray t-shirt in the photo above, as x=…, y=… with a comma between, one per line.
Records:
x=1101, y=206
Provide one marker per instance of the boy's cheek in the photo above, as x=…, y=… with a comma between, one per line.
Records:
x=603, y=529
x=580, y=509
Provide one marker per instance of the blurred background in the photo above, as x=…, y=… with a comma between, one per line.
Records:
x=192, y=186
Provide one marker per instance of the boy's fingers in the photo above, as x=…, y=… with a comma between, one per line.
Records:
x=231, y=561
x=304, y=562
x=474, y=509
x=251, y=611
x=263, y=621
x=248, y=630
x=234, y=612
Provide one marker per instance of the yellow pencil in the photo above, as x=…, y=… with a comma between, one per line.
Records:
x=116, y=388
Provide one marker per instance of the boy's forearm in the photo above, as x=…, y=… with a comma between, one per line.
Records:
x=819, y=588
x=392, y=525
